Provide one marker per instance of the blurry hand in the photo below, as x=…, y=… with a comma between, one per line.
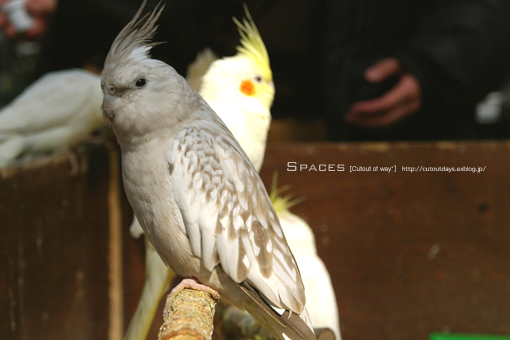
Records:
x=402, y=100
x=39, y=10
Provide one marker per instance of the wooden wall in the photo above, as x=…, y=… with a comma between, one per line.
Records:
x=408, y=253
x=54, y=267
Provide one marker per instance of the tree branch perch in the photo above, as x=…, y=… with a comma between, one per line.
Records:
x=188, y=315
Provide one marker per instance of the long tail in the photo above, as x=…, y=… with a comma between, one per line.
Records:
x=10, y=149
x=157, y=282
x=297, y=326
x=286, y=326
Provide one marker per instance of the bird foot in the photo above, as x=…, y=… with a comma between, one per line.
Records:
x=192, y=283
x=73, y=161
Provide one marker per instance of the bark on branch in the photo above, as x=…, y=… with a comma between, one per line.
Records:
x=188, y=315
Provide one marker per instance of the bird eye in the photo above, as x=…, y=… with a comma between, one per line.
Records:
x=140, y=82
x=258, y=79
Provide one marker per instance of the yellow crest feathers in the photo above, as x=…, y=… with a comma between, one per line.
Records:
x=282, y=203
x=252, y=45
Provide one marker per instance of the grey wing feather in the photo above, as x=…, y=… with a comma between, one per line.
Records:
x=229, y=217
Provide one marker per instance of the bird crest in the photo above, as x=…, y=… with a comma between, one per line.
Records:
x=282, y=203
x=252, y=45
x=135, y=39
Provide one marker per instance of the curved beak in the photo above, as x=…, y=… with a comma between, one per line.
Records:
x=107, y=109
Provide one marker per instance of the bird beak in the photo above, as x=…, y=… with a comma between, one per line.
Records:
x=107, y=114
x=107, y=109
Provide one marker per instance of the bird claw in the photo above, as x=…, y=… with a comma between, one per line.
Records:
x=73, y=160
x=192, y=283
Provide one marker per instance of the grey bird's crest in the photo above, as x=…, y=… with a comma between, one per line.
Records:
x=134, y=42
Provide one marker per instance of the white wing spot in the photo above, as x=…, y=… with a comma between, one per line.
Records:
x=239, y=185
x=278, y=232
x=269, y=246
x=246, y=262
x=224, y=221
x=238, y=222
x=236, y=211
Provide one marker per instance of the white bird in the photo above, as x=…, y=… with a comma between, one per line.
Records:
x=58, y=110
x=320, y=295
x=241, y=90
x=232, y=85
x=196, y=195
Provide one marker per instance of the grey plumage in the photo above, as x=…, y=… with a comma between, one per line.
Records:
x=195, y=193
x=136, y=36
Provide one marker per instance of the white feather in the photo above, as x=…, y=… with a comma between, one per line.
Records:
x=60, y=109
x=320, y=295
x=247, y=118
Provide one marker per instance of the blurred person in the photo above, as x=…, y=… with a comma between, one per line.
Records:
x=413, y=70
x=80, y=34
x=20, y=41
x=39, y=10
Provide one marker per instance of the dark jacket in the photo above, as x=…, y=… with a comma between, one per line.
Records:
x=458, y=50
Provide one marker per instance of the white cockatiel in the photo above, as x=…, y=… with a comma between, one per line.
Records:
x=240, y=89
x=194, y=191
x=320, y=295
x=58, y=110
x=231, y=85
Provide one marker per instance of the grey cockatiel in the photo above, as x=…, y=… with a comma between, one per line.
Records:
x=58, y=110
x=240, y=90
x=195, y=193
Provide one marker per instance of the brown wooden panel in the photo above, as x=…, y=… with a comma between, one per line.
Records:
x=54, y=248
x=409, y=253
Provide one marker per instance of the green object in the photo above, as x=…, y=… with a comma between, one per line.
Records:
x=453, y=336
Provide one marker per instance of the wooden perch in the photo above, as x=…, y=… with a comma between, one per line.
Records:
x=188, y=315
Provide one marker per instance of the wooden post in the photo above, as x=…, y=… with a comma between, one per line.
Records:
x=55, y=244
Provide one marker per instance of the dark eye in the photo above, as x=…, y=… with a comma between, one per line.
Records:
x=258, y=79
x=140, y=82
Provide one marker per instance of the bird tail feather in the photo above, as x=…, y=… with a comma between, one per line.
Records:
x=297, y=326
x=288, y=325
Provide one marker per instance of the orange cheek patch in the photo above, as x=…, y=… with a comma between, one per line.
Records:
x=248, y=88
